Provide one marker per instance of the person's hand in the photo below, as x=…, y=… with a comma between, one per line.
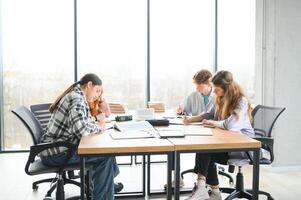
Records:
x=179, y=110
x=101, y=120
x=209, y=122
x=186, y=120
x=104, y=107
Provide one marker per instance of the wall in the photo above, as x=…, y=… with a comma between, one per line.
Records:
x=278, y=71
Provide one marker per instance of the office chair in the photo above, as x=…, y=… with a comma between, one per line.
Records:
x=43, y=115
x=221, y=171
x=264, y=118
x=34, y=165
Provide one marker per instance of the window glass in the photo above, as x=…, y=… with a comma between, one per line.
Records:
x=236, y=41
x=182, y=39
x=112, y=44
x=38, y=61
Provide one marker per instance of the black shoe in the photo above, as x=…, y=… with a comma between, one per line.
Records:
x=118, y=187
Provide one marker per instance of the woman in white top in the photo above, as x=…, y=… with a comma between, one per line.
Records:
x=232, y=112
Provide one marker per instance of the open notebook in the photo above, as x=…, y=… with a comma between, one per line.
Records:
x=182, y=131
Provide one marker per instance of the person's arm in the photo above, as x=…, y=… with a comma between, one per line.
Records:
x=235, y=121
x=80, y=120
x=188, y=120
x=105, y=108
x=200, y=118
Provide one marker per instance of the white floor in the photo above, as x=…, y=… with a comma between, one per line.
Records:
x=15, y=184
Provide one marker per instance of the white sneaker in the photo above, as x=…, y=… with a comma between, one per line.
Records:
x=199, y=192
x=174, y=182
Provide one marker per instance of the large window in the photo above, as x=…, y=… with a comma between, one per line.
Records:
x=112, y=43
x=236, y=41
x=37, y=58
x=181, y=43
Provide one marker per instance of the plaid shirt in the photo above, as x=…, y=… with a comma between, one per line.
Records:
x=69, y=121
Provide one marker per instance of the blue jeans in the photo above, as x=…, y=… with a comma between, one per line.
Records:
x=103, y=170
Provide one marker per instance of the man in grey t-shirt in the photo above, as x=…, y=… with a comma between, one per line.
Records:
x=199, y=101
x=202, y=99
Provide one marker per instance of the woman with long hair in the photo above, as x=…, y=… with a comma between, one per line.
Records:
x=70, y=120
x=232, y=112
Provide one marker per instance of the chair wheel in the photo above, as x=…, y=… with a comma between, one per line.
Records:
x=35, y=187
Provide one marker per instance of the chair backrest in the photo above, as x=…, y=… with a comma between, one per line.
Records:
x=159, y=107
x=42, y=113
x=264, y=118
x=117, y=108
x=30, y=122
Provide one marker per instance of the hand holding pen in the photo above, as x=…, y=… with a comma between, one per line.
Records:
x=186, y=120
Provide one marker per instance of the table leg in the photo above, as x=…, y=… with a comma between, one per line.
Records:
x=143, y=176
x=256, y=174
x=82, y=178
x=177, y=175
x=169, y=170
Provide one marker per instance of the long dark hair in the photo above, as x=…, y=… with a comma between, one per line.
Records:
x=84, y=80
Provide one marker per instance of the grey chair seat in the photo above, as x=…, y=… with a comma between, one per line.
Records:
x=238, y=162
x=265, y=161
x=37, y=167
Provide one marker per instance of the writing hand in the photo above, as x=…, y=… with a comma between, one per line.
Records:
x=186, y=120
x=209, y=122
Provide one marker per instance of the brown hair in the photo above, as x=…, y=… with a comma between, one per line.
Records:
x=202, y=77
x=226, y=104
x=83, y=81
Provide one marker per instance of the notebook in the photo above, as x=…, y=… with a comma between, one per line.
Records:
x=171, y=133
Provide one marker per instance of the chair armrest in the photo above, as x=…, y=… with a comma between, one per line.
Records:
x=259, y=132
x=35, y=150
x=267, y=143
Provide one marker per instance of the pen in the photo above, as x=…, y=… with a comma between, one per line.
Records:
x=185, y=118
